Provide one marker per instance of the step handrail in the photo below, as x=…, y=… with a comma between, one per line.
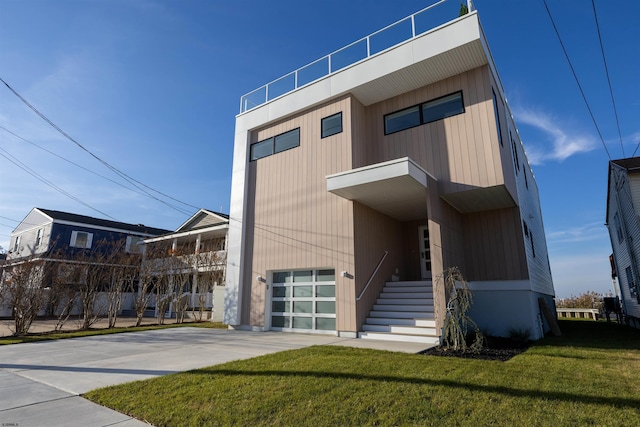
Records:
x=373, y=275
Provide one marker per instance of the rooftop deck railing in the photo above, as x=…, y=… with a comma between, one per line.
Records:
x=430, y=17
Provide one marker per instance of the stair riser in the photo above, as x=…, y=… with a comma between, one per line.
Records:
x=400, y=338
x=407, y=330
x=407, y=295
x=406, y=301
x=424, y=323
x=402, y=314
x=404, y=307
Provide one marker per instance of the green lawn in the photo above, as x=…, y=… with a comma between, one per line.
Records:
x=590, y=376
x=101, y=331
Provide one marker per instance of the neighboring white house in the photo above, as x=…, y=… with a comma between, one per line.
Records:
x=196, y=252
x=623, y=208
x=359, y=178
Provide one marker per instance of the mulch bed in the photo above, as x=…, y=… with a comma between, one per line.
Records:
x=500, y=349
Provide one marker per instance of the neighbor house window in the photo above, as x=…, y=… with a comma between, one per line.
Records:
x=331, y=125
x=616, y=220
x=276, y=144
x=497, y=114
x=134, y=244
x=427, y=112
x=39, y=236
x=631, y=283
x=16, y=244
x=81, y=239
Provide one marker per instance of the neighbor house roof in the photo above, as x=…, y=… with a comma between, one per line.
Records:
x=82, y=219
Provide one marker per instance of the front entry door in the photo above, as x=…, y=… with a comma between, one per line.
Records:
x=425, y=252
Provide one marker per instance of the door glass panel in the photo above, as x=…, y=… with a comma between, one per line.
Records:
x=303, y=322
x=280, y=306
x=302, y=306
x=326, y=307
x=326, y=324
x=326, y=275
x=281, y=291
x=303, y=276
x=325, y=291
x=279, y=321
x=282, y=277
x=302, y=291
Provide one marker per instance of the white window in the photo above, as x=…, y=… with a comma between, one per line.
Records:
x=134, y=244
x=16, y=244
x=81, y=239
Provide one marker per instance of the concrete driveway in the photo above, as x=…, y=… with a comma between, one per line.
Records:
x=40, y=383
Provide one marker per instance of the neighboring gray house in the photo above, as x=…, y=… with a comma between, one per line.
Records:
x=623, y=207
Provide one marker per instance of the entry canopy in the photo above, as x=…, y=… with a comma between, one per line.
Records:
x=397, y=188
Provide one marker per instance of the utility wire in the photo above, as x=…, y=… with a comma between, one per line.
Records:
x=69, y=161
x=606, y=69
x=33, y=173
x=575, y=76
x=115, y=170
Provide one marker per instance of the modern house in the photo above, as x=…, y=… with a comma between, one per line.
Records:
x=196, y=254
x=361, y=177
x=65, y=245
x=623, y=208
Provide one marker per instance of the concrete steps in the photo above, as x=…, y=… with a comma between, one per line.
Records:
x=403, y=312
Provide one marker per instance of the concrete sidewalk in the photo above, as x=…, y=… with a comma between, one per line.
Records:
x=40, y=382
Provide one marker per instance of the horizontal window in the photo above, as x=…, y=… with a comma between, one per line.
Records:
x=427, y=112
x=262, y=149
x=332, y=125
x=277, y=144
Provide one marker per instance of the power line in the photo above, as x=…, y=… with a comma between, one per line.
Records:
x=69, y=161
x=575, y=76
x=606, y=69
x=39, y=177
x=115, y=170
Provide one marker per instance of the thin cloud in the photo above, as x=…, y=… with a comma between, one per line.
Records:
x=564, y=143
x=578, y=234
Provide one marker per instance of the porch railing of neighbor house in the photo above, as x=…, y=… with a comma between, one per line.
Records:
x=427, y=19
x=372, y=276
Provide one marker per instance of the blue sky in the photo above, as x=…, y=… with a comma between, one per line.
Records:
x=153, y=87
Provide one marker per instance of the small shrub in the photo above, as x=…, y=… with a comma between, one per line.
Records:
x=458, y=327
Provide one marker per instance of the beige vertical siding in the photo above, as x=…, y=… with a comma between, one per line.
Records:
x=298, y=224
x=374, y=234
x=495, y=246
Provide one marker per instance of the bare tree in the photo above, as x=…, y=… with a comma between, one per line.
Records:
x=124, y=272
x=211, y=274
x=63, y=291
x=22, y=289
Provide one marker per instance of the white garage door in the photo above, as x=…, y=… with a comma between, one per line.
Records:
x=303, y=300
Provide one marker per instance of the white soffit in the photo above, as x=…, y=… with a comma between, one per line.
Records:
x=397, y=188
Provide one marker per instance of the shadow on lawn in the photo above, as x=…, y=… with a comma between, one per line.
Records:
x=594, y=335
x=507, y=391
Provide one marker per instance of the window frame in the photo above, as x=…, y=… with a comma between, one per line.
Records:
x=39, y=236
x=74, y=239
x=497, y=116
x=272, y=141
x=421, y=112
x=324, y=134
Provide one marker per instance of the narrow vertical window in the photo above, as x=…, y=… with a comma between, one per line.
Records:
x=618, y=224
x=16, y=244
x=497, y=113
x=331, y=125
x=533, y=247
x=39, y=237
